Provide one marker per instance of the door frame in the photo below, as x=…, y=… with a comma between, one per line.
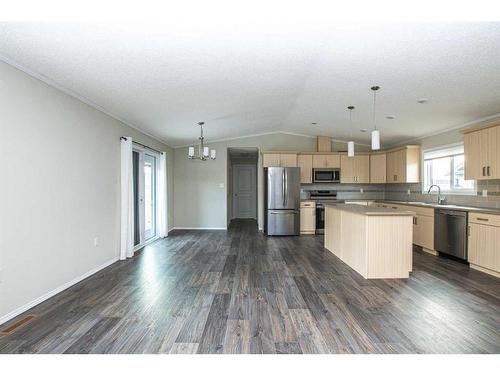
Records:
x=255, y=188
x=142, y=151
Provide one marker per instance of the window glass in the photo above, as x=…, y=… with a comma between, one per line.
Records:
x=445, y=168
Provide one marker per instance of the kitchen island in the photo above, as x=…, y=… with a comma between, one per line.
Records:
x=375, y=241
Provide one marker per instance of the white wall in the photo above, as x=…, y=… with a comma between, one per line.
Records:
x=199, y=200
x=59, y=188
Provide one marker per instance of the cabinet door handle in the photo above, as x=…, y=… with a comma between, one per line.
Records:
x=482, y=219
x=484, y=171
x=488, y=170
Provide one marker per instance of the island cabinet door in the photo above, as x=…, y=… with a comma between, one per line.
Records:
x=333, y=230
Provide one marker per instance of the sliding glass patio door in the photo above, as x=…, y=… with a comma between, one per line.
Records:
x=149, y=197
x=145, y=166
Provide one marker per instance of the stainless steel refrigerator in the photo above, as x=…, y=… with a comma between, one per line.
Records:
x=282, y=201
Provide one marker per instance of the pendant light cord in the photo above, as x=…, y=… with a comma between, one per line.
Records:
x=374, y=108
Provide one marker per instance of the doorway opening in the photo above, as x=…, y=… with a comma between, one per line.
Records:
x=242, y=183
x=145, y=171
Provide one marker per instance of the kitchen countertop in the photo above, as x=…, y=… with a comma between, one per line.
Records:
x=492, y=211
x=369, y=210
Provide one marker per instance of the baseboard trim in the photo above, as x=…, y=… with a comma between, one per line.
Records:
x=55, y=291
x=430, y=251
x=485, y=270
x=199, y=228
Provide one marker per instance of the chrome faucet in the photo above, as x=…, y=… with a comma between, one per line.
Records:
x=441, y=200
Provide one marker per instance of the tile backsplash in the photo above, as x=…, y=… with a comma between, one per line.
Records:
x=399, y=192
x=348, y=191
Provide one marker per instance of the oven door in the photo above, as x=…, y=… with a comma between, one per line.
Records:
x=320, y=218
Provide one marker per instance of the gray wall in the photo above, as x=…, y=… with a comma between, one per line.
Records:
x=60, y=188
x=200, y=202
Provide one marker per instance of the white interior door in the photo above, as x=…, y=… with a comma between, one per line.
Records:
x=244, y=191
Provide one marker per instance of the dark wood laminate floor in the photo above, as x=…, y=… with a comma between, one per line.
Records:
x=241, y=292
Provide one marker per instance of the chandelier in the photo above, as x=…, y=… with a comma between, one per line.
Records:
x=204, y=153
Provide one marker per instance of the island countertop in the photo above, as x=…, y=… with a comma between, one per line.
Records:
x=370, y=210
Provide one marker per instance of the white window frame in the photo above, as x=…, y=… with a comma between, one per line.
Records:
x=472, y=191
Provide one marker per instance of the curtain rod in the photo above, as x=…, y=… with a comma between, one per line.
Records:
x=140, y=144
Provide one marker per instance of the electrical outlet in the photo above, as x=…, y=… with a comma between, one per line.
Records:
x=409, y=191
x=1, y=275
x=361, y=190
x=485, y=193
x=96, y=241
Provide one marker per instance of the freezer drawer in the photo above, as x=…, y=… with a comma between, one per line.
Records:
x=283, y=222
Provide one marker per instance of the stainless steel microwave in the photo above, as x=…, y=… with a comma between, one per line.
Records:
x=330, y=175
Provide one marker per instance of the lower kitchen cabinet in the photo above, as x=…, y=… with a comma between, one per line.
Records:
x=484, y=240
x=308, y=217
x=423, y=224
x=423, y=231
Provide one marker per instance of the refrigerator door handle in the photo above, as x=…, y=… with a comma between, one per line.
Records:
x=286, y=188
x=283, y=187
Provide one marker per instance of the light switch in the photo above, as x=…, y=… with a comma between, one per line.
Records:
x=485, y=193
x=221, y=185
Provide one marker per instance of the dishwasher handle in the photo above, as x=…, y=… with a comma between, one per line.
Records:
x=451, y=212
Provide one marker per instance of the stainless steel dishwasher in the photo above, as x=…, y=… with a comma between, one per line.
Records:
x=450, y=232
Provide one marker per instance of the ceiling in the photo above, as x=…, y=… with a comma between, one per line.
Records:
x=250, y=80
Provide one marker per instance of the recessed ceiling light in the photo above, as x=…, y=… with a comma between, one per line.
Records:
x=390, y=117
x=363, y=130
x=422, y=100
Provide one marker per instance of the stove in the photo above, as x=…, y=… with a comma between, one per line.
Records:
x=321, y=197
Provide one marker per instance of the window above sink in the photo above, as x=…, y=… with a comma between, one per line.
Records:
x=444, y=167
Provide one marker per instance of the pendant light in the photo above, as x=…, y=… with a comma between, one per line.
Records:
x=375, y=131
x=350, y=144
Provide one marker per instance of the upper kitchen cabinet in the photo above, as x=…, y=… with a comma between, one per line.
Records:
x=378, y=168
x=305, y=163
x=326, y=161
x=482, y=153
x=275, y=159
x=403, y=165
x=355, y=169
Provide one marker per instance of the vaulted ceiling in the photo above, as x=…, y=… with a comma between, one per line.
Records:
x=244, y=81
